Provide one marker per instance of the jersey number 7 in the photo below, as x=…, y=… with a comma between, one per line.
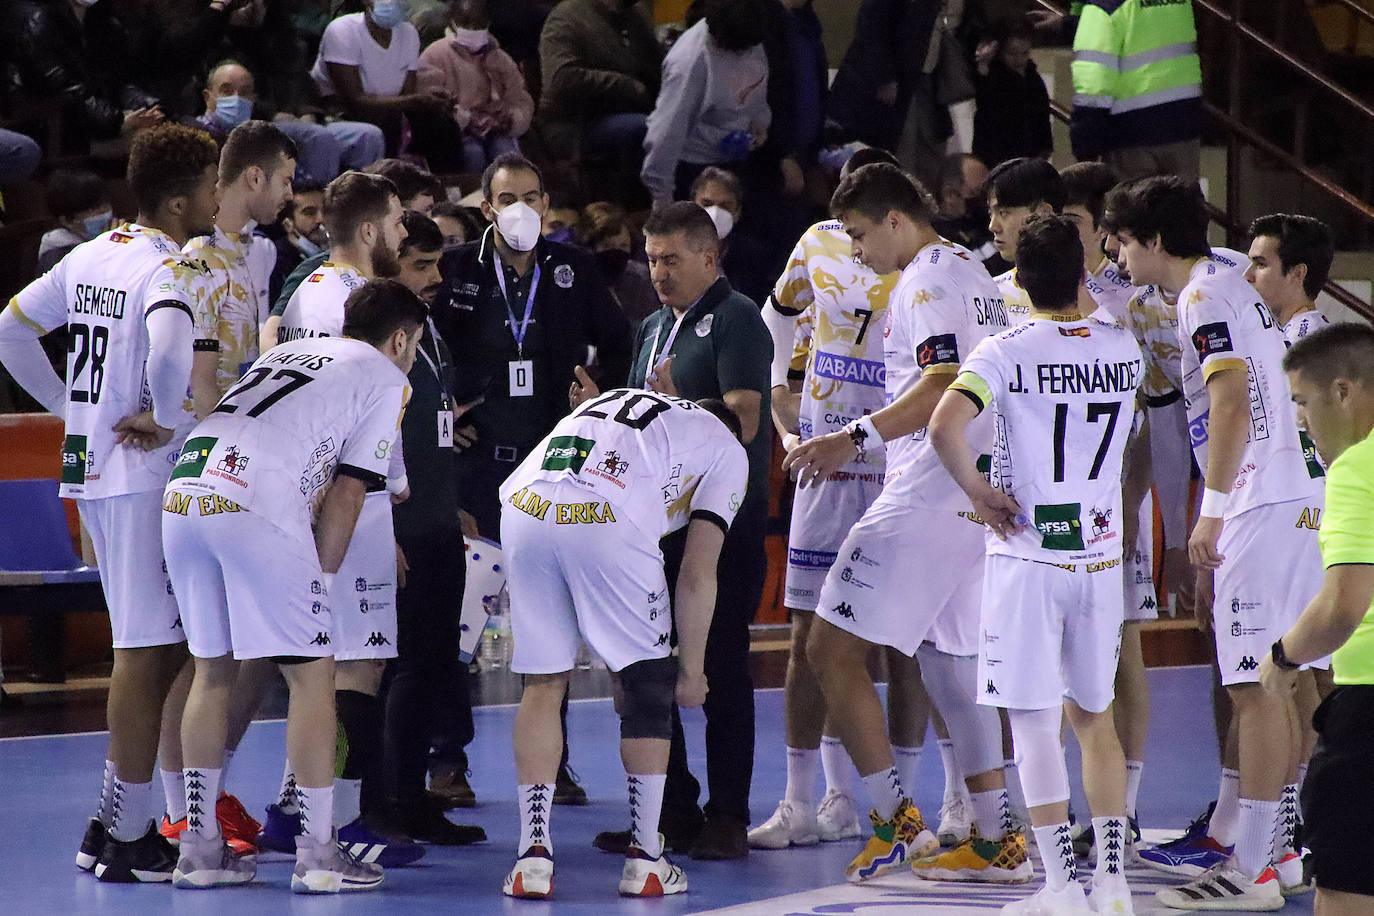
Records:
x=1096, y=411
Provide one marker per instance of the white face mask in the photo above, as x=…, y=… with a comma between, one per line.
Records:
x=724, y=220
x=519, y=225
x=473, y=39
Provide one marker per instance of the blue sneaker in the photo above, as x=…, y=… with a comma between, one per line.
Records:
x=1191, y=854
x=369, y=847
x=279, y=830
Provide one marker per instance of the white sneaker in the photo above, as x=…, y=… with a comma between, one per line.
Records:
x=837, y=817
x=532, y=876
x=1070, y=901
x=1112, y=897
x=1226, y=887
x=327, y=868
x=956, y=820
x=790, y=825
x=205, y=863
x=1295, y=875
x=643, y=876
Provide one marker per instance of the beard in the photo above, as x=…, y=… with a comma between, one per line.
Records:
x=385, y=262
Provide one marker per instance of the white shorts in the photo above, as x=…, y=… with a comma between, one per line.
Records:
x=1049, y=633
x=1273, y=567
x=247, y=587
x=1138, y=570
x=598, y=578
x=906, y=575
x=821, y=517
x=364, y=593
x=126, y=532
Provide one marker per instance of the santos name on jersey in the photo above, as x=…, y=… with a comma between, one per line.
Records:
x=305, y=411
x=1063, y=392
x=944, y=304
x=103, y=291
x=656, y=460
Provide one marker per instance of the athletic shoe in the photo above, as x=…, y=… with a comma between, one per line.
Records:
x=97, y=834
x=368, y=846
x=893, y=843
x=1112, y=897
x=279, y=830
x=171, y=830
x=1068, y=901
x=325, y=867
x=956, y=820
x=1226, y=888
x=148, y=859
x=645, y=876
x=236, y=825
x=205, y=863
x=837, y=817
x=1187, y=857
x=1295, y=874
x=566, y=791
x=975, y=859
x=532, y=876
x=790, y=825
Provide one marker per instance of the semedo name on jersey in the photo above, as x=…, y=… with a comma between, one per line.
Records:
x=101, y=301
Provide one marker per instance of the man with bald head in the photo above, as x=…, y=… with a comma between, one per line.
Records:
x=325, y=150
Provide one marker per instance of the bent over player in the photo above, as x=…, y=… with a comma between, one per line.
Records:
x=581, y=518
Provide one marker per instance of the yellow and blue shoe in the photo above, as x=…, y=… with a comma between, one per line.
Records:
x=1001, y=861
x=893, y=843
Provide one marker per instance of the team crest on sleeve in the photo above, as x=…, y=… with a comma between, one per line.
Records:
x=703, y=326
x=1211, y=339
x=563, y=276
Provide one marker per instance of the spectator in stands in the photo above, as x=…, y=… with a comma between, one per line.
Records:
x=80, y=203
x=298, y=234
x=367, y=67
x=418, y=189
x=19, y=156
x=605, y=231
x=963, y=215
x=324, y=150
x=65, y=53
x=712, y=108
x=491, y=105
x=430, y=18
x=1013, y=116
x=560, y=220
x=517, y=24
x=456, y=222
x=744, y=260
x=600, y=64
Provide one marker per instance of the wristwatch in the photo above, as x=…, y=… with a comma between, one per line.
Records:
x=1280, y=658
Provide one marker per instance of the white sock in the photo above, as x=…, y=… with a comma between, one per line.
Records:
x=885, y=788
x=802, y=764
x=200, y=783
x=102, y=810
x=908, y=761
x=1056, y=853
x=317, y=811
x=348, y=801
x=1110, y=835
x=224, y=772
x=840, y=773
x=286, y=801
x=536, y=800
x=1013, y=780
x=1255, y=840
x=646, y=801
x=1134, y=769
x=1286, y=823
x=1226, y=814
x=174, y=791
x=992, y=813
x=130, y=804
x=954, y=779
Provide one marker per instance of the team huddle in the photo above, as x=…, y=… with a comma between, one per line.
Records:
x=979, y=463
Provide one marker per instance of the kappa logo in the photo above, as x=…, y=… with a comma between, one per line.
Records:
x=662, y=640
x=991, y=689
x=1148, y=604
x=1247, y=663
x=321, y=639
x=377, y=639
x=843, y=609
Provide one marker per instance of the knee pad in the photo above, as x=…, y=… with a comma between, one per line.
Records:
x=952, y=682
x=649, y=690
x=1040, y=755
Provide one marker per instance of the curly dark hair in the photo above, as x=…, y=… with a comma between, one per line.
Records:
x=168, y=161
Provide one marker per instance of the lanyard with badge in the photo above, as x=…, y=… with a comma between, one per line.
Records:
x=655, y=354
x=521, y=370
x=445, y=413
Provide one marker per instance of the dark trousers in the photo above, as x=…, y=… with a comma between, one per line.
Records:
x=427, y=689
x=730, y=699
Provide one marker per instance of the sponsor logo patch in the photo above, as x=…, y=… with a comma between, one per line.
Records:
x=1211, y=339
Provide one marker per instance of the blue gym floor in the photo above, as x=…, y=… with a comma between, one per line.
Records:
x=48, y=787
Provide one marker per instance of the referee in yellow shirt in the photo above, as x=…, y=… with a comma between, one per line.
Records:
x=1331, y=373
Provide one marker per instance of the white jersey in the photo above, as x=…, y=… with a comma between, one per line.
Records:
x=236, y=299
x=305, y=412
x=944, y=304
x=316, y=308
x=845, y=305
x=656, y=460
x=1302, y=324
x=1223, y=324
x=103, y=291
x=1110, y=291
x=1016, y=299
x=1063, y=393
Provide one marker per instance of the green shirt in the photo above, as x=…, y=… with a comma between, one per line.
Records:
x=1347, y=537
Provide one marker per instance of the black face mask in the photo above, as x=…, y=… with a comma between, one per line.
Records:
x=612, y=263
